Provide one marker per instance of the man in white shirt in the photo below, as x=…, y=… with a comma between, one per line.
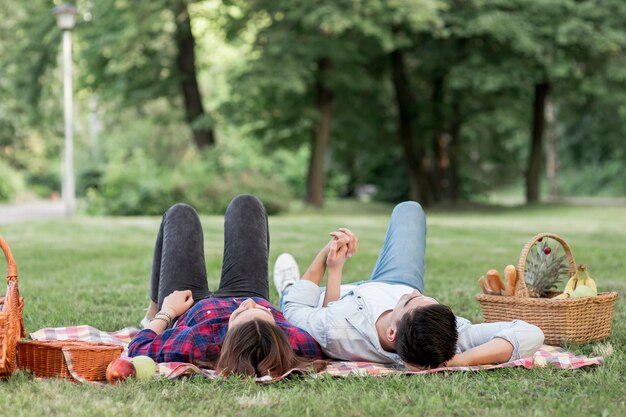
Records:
x=387, y=318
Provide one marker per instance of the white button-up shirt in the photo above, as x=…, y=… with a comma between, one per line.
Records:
x=346, y=329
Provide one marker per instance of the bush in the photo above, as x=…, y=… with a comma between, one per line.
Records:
x=208, y=181
x=10, y=182
x=600, y=179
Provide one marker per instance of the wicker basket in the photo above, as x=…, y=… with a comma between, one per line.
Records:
x=578, y=320
x=11, y=324
x=76, y=359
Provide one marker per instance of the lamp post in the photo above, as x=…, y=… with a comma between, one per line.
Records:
x=66, y=19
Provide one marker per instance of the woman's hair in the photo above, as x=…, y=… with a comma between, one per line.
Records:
x=260, y=348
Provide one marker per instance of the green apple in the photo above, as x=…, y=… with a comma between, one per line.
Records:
x=583, y=291
x=144, y=367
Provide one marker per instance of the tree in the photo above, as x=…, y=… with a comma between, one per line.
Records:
x=314, y=52
x=140, y=51
x=554, y=40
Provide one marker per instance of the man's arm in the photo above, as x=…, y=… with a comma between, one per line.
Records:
x=494, y=351
x=489, y=343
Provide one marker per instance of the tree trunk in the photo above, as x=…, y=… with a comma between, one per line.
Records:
x=186, y=64
x=437, y=166
x=535, y=159
x=454, y=151
x=324, y=98
x=406, y=108
x=552, y=156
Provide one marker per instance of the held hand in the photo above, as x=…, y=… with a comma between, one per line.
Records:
x=177, y=303
x=345, y=235
x=337, y=255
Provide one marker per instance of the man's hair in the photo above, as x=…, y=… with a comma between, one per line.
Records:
x=427, y=336
x=260, y=348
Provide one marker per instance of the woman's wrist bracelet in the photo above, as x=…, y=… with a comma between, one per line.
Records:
x=167, y=322
x=163, y=313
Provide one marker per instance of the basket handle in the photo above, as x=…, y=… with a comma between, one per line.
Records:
x=11, y=267
x=520, y=286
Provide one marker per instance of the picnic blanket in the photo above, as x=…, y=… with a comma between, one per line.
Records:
x=546, y=355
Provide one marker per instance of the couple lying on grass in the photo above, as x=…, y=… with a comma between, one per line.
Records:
x=236, y=330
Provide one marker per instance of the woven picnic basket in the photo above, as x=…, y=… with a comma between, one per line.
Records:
x=74, y=359
x=11, y=324
x=577, y=320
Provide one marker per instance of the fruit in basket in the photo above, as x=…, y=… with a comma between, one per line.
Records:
x=145, y=367
x=583, y=291
x=585, y=279
x=510, y=279
x=119, y=370
x=579, y=285
x=544, y=269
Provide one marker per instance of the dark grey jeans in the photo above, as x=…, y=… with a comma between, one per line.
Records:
x=178, y=261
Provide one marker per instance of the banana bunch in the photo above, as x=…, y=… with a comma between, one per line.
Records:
x=579, y=285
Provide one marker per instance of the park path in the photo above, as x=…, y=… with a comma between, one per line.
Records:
x=13, y=213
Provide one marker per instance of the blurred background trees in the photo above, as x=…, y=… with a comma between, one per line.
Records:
x=440, y=101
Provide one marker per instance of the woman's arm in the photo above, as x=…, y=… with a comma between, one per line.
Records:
x=335, y=261
x=174, y=305
x=343, y=237
x=316, y=270
x=178, y=344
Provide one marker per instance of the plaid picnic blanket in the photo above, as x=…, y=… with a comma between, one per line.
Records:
x=547, y=355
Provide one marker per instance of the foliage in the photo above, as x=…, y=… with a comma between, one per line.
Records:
x=471, y=66
x=134, y=184
x=10, y=181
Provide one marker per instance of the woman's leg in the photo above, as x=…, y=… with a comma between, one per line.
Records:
x=246, y=250
x=402, y=258
x=178, y=261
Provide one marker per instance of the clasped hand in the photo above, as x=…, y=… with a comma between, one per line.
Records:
x=177, y=303
x=343, y=245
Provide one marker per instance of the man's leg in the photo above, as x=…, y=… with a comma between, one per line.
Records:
x=401, y=260
x=246, y=250
x=178, y=261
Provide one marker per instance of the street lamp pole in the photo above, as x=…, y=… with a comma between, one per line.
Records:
x=66, y=19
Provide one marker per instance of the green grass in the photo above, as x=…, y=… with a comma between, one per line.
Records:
x=95, y=271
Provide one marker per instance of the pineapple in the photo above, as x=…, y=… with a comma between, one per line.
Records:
x=544, y=270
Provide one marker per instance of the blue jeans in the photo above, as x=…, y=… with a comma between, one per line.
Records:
x=402, y=258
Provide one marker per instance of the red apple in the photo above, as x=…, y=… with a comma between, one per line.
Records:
x=119, y=370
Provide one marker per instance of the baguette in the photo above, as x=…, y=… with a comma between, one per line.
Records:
x=510, y=279
x=494, y=281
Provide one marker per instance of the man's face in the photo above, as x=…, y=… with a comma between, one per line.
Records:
x=409, y=302
x=249, y=310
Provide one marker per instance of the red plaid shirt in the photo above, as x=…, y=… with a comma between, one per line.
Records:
x=199, y=333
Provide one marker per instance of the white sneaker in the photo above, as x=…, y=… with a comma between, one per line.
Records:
x=286, y=272
x=144, y=322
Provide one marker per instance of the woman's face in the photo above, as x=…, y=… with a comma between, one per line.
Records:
x=249, y=310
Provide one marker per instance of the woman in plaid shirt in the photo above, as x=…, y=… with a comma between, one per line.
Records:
x=234, y=329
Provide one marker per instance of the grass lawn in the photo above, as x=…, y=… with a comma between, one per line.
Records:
x=95, y=271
